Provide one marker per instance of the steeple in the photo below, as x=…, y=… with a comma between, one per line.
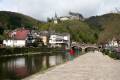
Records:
x=56, y=15
x=56, y=19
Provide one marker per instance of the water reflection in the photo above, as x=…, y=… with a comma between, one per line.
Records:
x=20, y=67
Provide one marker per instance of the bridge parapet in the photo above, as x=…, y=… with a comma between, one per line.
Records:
x=83, y=47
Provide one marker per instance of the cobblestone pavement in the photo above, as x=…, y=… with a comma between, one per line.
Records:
x=91, y=66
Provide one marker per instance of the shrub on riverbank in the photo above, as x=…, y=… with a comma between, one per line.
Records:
x=111, y=54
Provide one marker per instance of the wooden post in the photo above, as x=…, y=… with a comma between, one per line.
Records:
x=44, y=63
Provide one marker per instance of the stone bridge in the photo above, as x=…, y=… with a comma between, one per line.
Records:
x=86, y=46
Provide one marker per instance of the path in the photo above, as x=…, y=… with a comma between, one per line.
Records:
x=91, y=66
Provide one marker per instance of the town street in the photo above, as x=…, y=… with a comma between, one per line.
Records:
x=90, y=66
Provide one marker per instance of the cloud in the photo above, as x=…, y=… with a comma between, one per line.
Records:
x=109, y=6
x=41, y=9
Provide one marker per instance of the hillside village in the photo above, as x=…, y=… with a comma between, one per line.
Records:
x=51, y=36
x=22, y=37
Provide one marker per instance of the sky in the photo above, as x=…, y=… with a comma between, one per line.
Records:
x=42, y=9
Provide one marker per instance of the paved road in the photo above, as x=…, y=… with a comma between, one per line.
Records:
x=91, y=66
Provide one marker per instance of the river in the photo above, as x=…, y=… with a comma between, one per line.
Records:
x=12, y=68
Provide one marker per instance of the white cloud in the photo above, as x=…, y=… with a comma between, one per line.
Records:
x=41, y=9
x=107, y=7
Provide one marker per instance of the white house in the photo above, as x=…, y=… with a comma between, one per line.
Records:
x=113, y=43
x=14, y=43
x=58, y=40
x=55, y=21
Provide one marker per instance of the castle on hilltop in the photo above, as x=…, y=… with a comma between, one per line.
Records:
x=71, y=16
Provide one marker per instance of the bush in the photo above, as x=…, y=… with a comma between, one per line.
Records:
x=111, y=53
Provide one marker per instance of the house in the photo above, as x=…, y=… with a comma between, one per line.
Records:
x=112, y=43
x=22, y=37
x=44, y=36
x=17, y=38
x=30, y=40
x=59, y=40
x=19, y=34
x=14, y=43
x=34, y=39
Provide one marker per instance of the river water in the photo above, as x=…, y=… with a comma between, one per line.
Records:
x=15, y=68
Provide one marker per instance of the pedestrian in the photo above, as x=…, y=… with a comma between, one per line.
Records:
x=72, y=53
x=66, y=54
x=78, y=51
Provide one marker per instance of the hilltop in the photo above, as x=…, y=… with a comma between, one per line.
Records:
x=12, y=20
x=108, y=26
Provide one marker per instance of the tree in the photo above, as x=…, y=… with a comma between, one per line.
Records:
x=15, y=22
x=1, y=30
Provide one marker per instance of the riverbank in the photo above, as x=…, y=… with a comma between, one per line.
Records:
x=28, y=51
x=113, y=53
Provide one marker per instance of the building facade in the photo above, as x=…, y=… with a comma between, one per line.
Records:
x=71, y=16
x=59, y=40
x=17, y=38
x=44, y=36
x=14, y=43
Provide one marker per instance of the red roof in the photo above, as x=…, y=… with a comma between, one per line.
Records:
x=21, y=34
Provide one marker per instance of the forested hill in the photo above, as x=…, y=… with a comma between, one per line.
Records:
x=12, y=20
x=96, y=29
x=108, y=25
x=79, y=30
